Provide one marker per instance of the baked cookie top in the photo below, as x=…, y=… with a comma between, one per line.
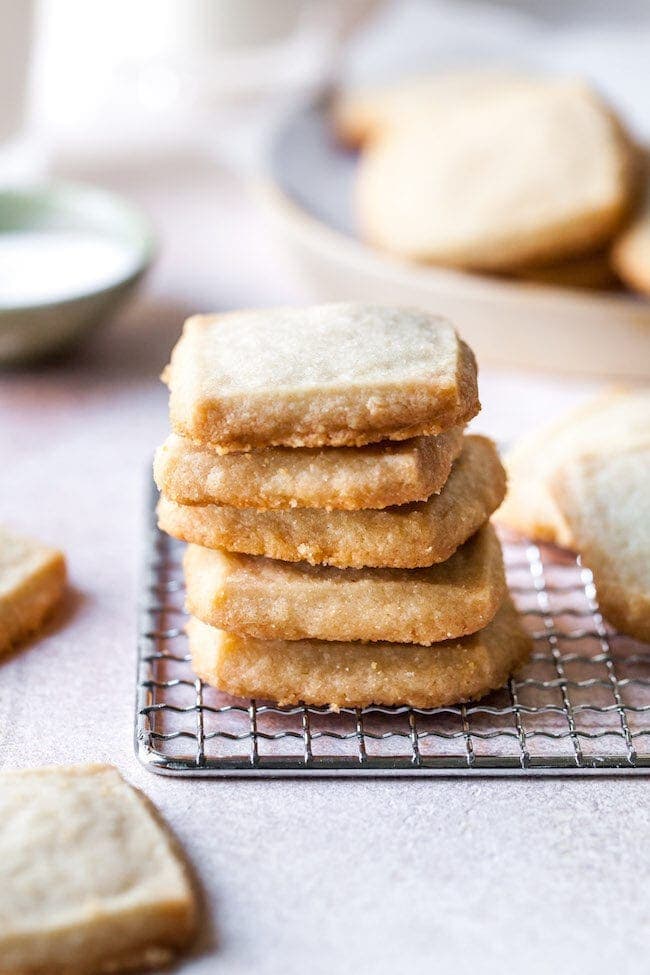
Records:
x=534, y=174
x=89, y=879
x=364, y=114
x=614, y=420
x=326, y=375
x=32, y=580
x=605, y=500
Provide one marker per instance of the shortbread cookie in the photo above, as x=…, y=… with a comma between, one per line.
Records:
x=538, y=175
x=264, y=598
x=407, y=536
x=358, y=674
x=329, y=375
x=32, y=580
x=366, y=114
x=605, y=500
x=363, y=115
x=345, y=478
x=89, y=880
x=610, y=421
x=631, y=250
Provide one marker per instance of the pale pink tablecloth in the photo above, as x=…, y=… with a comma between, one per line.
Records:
x=311, y=876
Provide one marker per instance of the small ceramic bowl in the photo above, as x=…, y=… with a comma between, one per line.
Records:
x=47, y=326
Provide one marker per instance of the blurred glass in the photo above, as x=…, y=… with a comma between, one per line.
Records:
x=16, y=28
x=163, y=74
x=17, y=160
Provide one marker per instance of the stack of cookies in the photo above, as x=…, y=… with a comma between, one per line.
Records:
x=338, y=515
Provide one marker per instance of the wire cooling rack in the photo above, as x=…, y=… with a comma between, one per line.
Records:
x=581, y=705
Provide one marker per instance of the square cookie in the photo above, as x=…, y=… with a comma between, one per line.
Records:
x=32, y=580
x=343, y=478
x=557, y=176
x=89, y=879
x=605, y=501
x=327, y=375
x=612, y=421
x=408, y=536
x=359, y=674
x=267, y=599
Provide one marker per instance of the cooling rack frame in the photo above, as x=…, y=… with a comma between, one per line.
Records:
x=508, y=734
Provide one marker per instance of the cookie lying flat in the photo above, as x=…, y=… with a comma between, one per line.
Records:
x=328, y=375
x=534, y=176
x=89, y=880
x=270, y=600
x=608, y=422
x=366, y=114
x=344, y=478
x=359, y=674
x=605, y=501
x=407, y=536
x=32, y=580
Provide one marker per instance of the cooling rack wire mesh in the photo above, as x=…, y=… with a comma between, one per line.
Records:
x=580, y=706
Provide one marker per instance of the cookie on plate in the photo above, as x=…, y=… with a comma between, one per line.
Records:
x=345, y=478
x=610, y=421
x=359, y=674
x=605, y=501
x=89, y=879
x=363, y=115
x=267, y=599
x=407, y=536
x=32, y=581
x=533, y=176
x=328, y=375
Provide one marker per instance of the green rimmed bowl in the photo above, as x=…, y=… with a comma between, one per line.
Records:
x=45, y=327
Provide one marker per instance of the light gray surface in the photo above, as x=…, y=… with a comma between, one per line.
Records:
x=318, y=876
